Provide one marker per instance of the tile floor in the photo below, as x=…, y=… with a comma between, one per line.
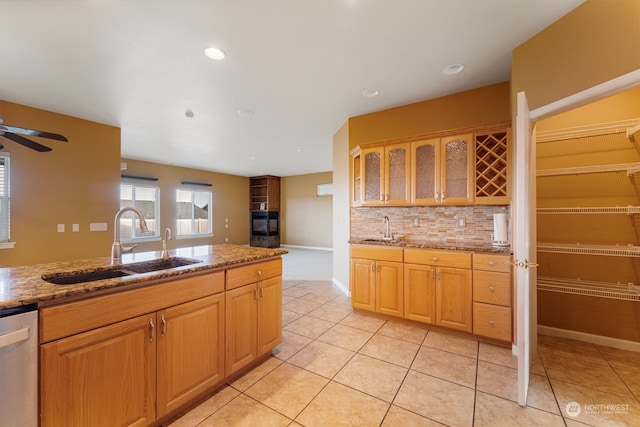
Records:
x=337, y=367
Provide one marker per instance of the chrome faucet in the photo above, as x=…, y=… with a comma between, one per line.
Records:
x=387, y=235
x=167, y=237
x=117, y=249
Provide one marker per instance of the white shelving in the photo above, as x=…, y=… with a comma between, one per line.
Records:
x=602, y=250
x=628, y=168
x=626, y=210
x=619, y=291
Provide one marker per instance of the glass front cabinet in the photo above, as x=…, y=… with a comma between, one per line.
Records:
x=383, y=175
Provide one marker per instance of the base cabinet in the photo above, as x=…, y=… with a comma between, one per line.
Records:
x=420, y=293
x=453, y=298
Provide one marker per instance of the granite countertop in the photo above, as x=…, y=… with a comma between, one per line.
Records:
x=469, y=247
x=24, y=285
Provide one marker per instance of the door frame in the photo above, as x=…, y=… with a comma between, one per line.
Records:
x=603, y=90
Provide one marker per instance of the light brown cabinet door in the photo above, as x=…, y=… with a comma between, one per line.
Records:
x=363, y=291
x=106, y=376
x=269, y=314
x=241, y=313
x=457, y=169
x=373, y=176
x=190, y=351
x=425, y=171
x=397, y=172
x=420, y=293
x=389, y=288
x=453, y=298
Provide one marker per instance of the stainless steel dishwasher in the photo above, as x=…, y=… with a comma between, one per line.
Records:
x=19, y=366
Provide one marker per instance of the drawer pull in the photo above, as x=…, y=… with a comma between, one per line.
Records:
x=259, y=272
x=491, y=288
x=492, y=323
x=491, y=263
x=435, y=259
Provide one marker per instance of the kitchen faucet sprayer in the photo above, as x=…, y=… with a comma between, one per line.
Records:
x=117, y=249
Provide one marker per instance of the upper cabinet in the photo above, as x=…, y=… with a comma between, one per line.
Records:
x=469, y=168
x=381, y=175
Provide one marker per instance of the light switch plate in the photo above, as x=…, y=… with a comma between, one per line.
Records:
x=60, y=228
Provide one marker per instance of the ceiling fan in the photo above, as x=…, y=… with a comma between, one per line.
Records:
x=12, y=133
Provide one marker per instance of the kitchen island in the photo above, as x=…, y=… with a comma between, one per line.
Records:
x=142, y=348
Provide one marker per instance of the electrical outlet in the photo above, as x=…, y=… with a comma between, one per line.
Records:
x=416, y=221
x=462, y=222
x=60, y=228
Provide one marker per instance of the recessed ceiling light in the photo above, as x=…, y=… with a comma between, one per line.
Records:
x=245, y=113
x=189, y=113
x=214, y=53
x=450, y=70
x=370, y=93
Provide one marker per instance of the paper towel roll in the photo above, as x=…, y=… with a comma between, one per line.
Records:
x=500, y=232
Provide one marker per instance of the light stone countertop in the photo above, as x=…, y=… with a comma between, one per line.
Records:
x=24, y=285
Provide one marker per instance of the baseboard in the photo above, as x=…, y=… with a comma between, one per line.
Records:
x=342, y=287
x=590, y=338
x=317, y=248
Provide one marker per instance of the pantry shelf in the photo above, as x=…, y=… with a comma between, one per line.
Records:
x=628, y=168
x=619, y=291
x=579, y=249
x=626, y=210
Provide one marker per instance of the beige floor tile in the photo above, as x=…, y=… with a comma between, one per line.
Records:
x=319, y=296
x=492, y=411
x=308, y=326
x=372, y=376
x=536, y=366
x=571, y=423
x=287, y=389
x=286, y=284
x=440, y=400
x=341, y=301
x=403, y=332
x=291, y=344
x=445, y=365
x=498, y=355
x=295, y=291
x=398, y=417
x=597, y=408
x=322, y=359
x=205, y=409
x=287, y=299
x=631, y=380
x=256, y=374
x=301, y=306
x=540, y=395
x=289, y=316
x=621, y=359
x=568, y=345
x=556, y=357
x=362, y=321
x=346, y=337
x=331, y=313
x=341, y=406
x=245, y=412
x=451, y=343
x=498, y=380
x=391, y=350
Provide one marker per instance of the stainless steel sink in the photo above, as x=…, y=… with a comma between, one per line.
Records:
x=81, y=276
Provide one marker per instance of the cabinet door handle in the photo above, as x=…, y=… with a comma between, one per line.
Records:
x=442, y=197
x=153, y=330
x=255, y=294
x=164, y=326
x=433, y=273
x=261, y=292
x=373, y=267
x=491, y=288
x=438, y=274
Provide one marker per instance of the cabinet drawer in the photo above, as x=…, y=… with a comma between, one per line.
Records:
x=492, y=321
x=377, y=253
x=492, y=288
x=492, y=262
x=252, y=273
x=440, y=258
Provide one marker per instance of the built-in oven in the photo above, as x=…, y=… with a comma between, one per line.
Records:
x=19, y=366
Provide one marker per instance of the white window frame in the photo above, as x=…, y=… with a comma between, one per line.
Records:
x=152, y=223
x=193, y=225
x=5, y=202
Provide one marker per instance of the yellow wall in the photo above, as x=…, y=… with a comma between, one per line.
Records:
x=592, y=44
x=230, y=201
x=76, y=183
x=485, y=105
x=306, y=218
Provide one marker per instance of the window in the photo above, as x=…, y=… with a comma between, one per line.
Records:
x=4, y=199
x=194, y=215
x=147, y=199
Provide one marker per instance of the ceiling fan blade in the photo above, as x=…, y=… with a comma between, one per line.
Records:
x=33, y=132
x=24, y=141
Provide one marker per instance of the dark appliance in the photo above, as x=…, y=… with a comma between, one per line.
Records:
x=265, y=229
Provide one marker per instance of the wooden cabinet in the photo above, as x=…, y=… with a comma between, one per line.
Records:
x=442, y=170
x=439, y=289
x=383, y=175
x=491, y=167
x=492, y=296
x=124, y=370
x=253, y=313
x=264, y=193
x=377, y=279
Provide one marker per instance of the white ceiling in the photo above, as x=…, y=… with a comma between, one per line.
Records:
x=299, y=65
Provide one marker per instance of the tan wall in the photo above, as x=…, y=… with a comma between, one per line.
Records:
x=307, y=220
x=76, y=183
x=592, y=44
x=485, y=105
x=230, y=201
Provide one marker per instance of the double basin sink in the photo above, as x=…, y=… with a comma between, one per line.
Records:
x=82, y=276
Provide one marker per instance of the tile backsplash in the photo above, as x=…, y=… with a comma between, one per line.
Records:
x=428, y=223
